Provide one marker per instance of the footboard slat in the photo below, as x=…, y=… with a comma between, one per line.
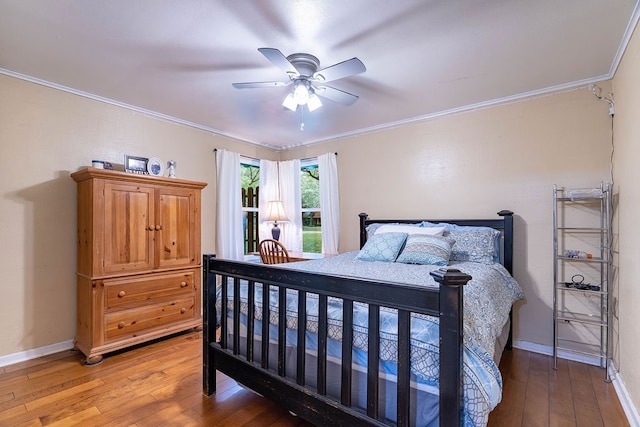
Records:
x=236, y=316
x=282, y=330
x=347, y=351
x=404, y=367
x=322, y=345
x=302, y=338
x=224, y=315
x=251, y=311
x=373, y=361
x=265, y=326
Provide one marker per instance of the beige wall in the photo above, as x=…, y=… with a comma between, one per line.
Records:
x=475, y=164
x=45, y=134
x=626, y=87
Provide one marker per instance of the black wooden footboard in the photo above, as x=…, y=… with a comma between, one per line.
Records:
x=312, y=403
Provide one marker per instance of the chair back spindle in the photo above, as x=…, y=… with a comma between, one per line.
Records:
x=273, y=252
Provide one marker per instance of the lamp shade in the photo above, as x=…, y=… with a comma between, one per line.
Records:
x=275, y=212
x=290, y=103
x=314, y=102
x=301, y=93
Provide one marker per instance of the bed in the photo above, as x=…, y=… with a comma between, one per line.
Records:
x=385, y=342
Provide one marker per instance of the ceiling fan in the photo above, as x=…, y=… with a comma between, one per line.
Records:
x=308, y=81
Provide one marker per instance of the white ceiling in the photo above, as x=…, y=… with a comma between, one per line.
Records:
x=178, y=59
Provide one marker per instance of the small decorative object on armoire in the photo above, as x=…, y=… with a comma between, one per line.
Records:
x=275, y=213
x=582, y=268
x=155, y=167
x=171, y=167
x=139, y=260
x=135, y=164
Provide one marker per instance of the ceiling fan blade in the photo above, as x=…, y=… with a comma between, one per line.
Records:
x=335, y=95
x=279, y=60
x=248, y=85
x=340, y=70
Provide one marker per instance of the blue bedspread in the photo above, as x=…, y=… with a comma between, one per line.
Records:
x=488, y=298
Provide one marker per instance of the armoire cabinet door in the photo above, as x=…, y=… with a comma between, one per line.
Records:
x=128, y=223
x=177, y=242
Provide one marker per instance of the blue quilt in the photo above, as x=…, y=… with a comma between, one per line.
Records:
x=488, y=298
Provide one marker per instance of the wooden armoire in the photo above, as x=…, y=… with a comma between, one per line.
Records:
x=139, y=261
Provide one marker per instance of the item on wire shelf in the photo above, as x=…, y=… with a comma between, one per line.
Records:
x=571, y=253
x=577, y=282
x=582, y=193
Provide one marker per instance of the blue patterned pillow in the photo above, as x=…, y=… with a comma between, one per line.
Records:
x=382, y=247
x=475, y=244
x=477, y=229
x=426, y=249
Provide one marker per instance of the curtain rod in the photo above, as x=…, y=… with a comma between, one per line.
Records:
x=253, y=158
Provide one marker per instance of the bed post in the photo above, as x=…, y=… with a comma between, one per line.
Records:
x=507, y=216
x=451, y=344
x=208, y=326
x=507, y=253
x=363, y=231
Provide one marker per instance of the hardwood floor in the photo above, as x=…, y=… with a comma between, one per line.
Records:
x=534, y=394
x=160, y=384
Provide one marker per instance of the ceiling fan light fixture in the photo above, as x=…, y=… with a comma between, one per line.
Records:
x=301, y=93
x=307, y=81
x=314, y=102
x=290, y=103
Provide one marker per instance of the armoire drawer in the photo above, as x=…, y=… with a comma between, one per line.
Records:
x=130, y=322
x=149, y=289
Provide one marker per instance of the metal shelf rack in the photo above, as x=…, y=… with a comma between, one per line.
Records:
x=582, y=265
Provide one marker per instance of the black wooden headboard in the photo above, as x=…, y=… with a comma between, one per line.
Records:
x=503, y=224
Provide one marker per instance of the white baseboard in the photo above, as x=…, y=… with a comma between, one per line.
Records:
x=623, y=395
x=22, y=356
x=548, y=350
x=625, y=400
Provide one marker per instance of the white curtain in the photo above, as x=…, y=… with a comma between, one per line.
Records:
x=281, y=181
x=229, y=217
x=289, y=179
x=329, y=202
x=269, y=190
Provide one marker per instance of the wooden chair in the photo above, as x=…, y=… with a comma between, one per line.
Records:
x=273, y=252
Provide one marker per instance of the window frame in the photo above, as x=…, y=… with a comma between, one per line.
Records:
x=248, y=161
x=304, y=163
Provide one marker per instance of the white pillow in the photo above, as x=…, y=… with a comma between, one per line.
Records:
x=410, y=229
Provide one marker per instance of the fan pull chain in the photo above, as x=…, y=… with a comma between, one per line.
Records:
x=302, y=118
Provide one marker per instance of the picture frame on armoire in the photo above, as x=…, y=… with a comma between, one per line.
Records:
x=155, y=167
x=135, y=164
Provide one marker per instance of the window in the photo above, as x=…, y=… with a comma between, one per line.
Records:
x=250, y=180
x=310, y=192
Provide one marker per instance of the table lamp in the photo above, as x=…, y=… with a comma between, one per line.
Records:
x=275, y=213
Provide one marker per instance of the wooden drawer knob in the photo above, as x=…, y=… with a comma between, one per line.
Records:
x=120, y=325
x=183, y=310
x=183, y=284
x=158, y=227
x=121, y=294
